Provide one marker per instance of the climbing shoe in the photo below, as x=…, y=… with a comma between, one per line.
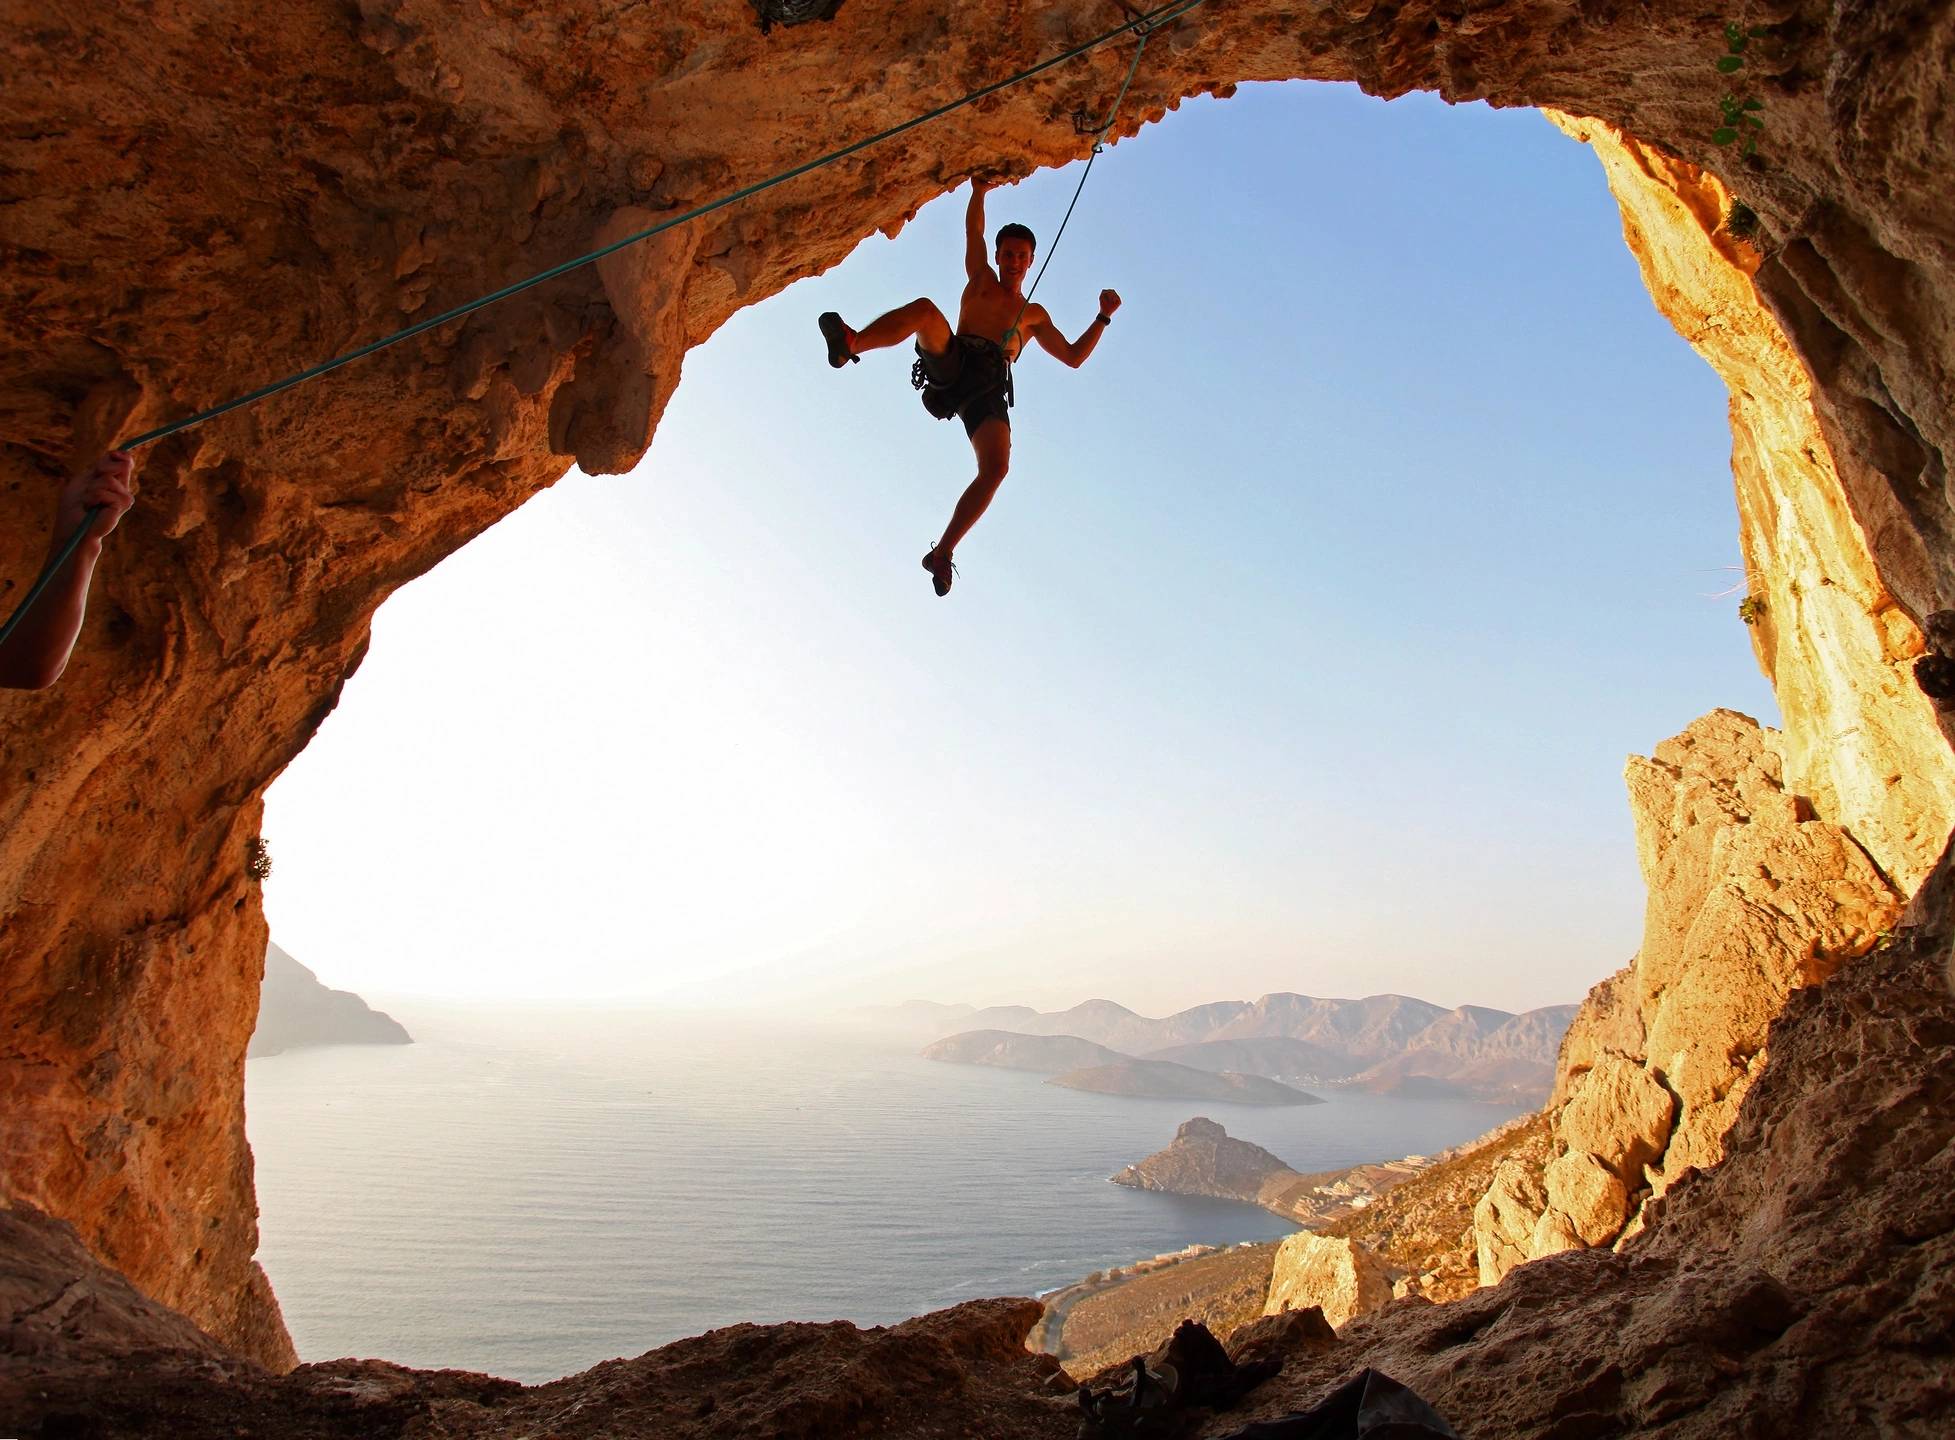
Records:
x=837, y=336
x=942, y=570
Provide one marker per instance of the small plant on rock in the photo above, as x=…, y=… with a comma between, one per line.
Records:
x=1741, y=221
x=1739, y=116
x=1751, y=609
x=257, y=858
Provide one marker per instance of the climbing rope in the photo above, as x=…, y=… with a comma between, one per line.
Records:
x=1141, y=25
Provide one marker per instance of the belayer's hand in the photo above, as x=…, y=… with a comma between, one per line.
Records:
x=109, y=484
x=1109, y=301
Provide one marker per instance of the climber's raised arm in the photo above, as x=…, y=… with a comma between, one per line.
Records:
x=1072, y=352
x=977, y=258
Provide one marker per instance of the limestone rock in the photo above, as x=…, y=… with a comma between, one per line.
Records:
x=1554, y=1234
x=1860, y=739
x=1620, y=1114
x=1338, y=1277
x=1806, y=1274
x=1608, y=1021
x=1584, y=1189
x=1505, y=1219
x=398, y=156
x=1751, y=897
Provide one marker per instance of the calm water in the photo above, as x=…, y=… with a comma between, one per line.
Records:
x=528, y=1194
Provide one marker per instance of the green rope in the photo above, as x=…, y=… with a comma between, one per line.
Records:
x=1144, y=28
x=1140, y=24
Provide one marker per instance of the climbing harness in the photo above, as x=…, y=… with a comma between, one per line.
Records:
x=1142, y=25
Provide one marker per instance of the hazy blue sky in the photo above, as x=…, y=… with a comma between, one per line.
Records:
x=1301, y=650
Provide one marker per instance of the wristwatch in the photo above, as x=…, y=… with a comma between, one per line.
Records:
x=1103, y=318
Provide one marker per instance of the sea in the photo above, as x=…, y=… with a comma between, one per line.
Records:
x=529, y=1191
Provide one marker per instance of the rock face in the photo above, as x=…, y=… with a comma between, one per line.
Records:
x=1043, y=1054
x=1338, y=1277
x=1861, y=741
x=1203, y=1159
x=1163, y=1080
x=295, y=1010
x=1751, y=897
x=399, y=156
x=1799, y=1287
x=82, y=1353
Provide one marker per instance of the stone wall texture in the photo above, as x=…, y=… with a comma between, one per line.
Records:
x=195, y=197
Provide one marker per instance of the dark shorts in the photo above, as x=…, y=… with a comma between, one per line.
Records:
x=971, y=380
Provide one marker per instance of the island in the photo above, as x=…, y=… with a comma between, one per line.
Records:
x=1165, y=1080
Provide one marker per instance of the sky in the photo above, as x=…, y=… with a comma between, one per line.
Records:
x=1301, y=649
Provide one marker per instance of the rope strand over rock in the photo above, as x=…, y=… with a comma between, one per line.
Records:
x=1139, y=25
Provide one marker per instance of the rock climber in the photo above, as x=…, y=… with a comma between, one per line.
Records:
x=967, y=373
x=34, y=656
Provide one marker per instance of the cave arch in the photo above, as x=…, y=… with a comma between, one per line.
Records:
x=411, y=152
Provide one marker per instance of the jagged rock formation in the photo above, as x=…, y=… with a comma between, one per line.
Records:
x=1800, y=1287
x=1203, y=1159
x=1338, y=1277
x=295, y=1010
x=173, y=237
x=1750, y=897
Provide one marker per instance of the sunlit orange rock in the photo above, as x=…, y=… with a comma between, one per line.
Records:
x=202, y=196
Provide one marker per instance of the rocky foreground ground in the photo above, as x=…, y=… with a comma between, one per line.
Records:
x=1805, y=1286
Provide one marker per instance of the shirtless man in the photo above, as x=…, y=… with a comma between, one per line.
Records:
x=965, y=374
x=34, y=656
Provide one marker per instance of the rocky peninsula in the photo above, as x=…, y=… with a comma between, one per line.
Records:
x=1043, y=1054
x=1164, y=1080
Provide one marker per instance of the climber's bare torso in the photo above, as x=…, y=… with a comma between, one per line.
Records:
x=987, y=308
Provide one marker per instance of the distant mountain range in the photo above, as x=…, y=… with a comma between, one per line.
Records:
x=1389, y=1044
x=295, y=1011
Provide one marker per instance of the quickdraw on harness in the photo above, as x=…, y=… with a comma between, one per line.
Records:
x=982, y=369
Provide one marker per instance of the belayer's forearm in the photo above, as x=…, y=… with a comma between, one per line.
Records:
x=37, y=652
